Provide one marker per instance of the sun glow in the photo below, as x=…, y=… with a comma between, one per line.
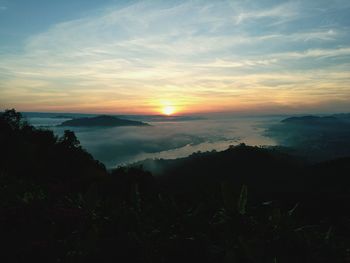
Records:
x=168, y=110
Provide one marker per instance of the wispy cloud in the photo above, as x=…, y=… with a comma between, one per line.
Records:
x=130, y=58
x=281, y=13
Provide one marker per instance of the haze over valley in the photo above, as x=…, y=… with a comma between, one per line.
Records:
x=166, y=137
x=170, y=131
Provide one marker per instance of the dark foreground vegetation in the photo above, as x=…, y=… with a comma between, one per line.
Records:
x=245, y=204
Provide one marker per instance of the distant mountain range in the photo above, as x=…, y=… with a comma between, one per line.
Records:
x=315, y=137
x=101, y=121
x=312, y=119
x=142, y=118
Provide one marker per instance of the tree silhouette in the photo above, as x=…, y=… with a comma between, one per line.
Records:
x=70, y=140
x=12, y=119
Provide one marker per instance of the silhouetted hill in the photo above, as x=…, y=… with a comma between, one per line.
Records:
x=101, y=121
x=267, y=172
x=61, y=116
x=314, y=137
x=37, y=154
x=342, y=116
x=245, y=204
x=260, y=168
x=312, y=120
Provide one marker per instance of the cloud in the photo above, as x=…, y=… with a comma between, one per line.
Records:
x=195, y=53
x=315, y=53
x=281, y=13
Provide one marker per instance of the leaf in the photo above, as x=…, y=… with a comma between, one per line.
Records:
x=135, y=196
x=234, y=202
x=291, y=212
x=229, y=197
x=328, y=234
x=276, y=216
x=242, y=201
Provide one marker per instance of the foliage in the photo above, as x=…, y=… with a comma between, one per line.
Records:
x=58, y=204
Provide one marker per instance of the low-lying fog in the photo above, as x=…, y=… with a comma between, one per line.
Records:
x=168, y=139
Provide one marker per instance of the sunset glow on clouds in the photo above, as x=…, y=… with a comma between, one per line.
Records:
x=197, y=56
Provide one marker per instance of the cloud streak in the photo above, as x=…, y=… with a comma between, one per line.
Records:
x=199, y=55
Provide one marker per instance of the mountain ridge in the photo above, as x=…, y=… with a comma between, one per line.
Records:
x=101, y=121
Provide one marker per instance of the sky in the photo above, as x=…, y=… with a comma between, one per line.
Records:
x=181, y=57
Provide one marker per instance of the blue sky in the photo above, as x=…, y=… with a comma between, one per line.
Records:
x=195, y=56
x=21, y=18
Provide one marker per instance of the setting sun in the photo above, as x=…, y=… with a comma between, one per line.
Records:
x=168, y=110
